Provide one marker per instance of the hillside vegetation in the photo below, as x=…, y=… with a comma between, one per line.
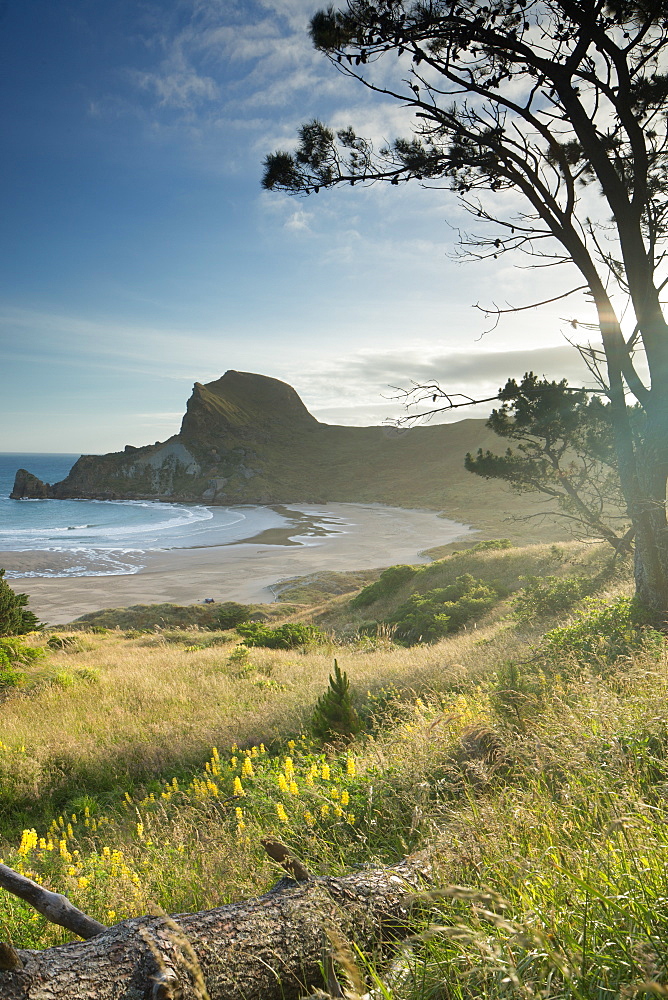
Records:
x=526, y=752
x=247, y=438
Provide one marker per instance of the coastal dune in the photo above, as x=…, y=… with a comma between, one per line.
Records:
x=364, y=536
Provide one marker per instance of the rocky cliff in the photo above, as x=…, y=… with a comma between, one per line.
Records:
x=249, y=439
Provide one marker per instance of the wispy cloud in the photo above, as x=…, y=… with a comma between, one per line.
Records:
x=368, y=387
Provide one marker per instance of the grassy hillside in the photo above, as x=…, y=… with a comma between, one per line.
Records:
x=527, y=755
x=249, y=439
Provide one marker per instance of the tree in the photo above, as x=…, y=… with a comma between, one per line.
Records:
x=334, y=717
x=15, y=619
x=565, y=451
x=559, y=106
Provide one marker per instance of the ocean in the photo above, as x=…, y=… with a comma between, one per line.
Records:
x=109, y=538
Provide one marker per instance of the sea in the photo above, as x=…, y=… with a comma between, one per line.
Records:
x=69, y=538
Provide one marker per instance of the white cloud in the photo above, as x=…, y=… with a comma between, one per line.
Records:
x=299, y=222
x=367, y=387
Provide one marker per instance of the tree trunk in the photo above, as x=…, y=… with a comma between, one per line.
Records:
x=648, y=512
x=642, y=465
x=271, y=948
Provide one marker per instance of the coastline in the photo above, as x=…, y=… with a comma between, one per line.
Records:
x=366, y=536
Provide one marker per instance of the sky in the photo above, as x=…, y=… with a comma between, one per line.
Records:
x=140, y=253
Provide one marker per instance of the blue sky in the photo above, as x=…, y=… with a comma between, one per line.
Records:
x=140, y=254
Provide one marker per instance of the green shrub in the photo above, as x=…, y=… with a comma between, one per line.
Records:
x=64, y=643
x=430, y=616
x=334, y=717
x=287, y=636
x=15, y=619
x=13, y=650
x=549, y=595
x=603, y=633
x=491, y=545
x=389, y=582
x=230, y=614
x=10, y=677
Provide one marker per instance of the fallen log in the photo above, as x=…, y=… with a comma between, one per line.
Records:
x=270, y=948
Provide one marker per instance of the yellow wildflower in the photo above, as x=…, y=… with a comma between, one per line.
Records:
x=247, y=769
x=282, y=784
x=324, y=810
x=289, y=767
x=293, y=788
x=351, y=770
x=281, y=813
x=238, y=787
x=325, y=772
x=345, y=798
x=28, y=842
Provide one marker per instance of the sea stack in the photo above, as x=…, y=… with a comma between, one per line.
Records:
x=29, y=487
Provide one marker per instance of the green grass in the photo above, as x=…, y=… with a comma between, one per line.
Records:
x=533, y=771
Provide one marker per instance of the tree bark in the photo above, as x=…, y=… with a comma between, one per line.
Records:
x=270, y=948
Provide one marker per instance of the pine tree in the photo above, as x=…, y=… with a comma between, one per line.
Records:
x=15, y=619
x=334, y=717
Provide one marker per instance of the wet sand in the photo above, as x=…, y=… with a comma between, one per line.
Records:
x=360, y=536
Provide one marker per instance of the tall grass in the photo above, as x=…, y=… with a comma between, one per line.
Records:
x=546, y=826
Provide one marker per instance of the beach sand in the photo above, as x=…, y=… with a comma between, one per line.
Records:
x=368, y=536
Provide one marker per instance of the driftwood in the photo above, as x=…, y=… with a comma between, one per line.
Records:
x=275, y=947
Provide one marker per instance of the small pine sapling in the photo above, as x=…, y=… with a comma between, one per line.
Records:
x=334, y=717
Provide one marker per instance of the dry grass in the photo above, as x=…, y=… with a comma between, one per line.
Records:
x=157, y=708
x=551, y=829
x=119, y=711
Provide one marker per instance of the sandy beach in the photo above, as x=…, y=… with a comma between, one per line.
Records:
x=363, y=536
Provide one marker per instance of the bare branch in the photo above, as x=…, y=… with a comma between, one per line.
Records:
x=52, y=905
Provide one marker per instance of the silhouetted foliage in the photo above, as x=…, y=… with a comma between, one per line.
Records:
x=565, y=451
x=561, y=106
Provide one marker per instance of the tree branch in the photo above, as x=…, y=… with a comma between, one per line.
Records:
x=52, y=905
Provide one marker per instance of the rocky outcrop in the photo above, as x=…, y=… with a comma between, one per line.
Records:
x=248, y=438
x=29, y=487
